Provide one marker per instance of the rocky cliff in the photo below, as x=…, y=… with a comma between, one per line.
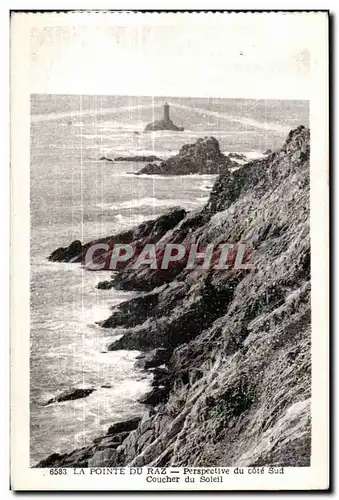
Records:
x=229, y=349
x=202, y=157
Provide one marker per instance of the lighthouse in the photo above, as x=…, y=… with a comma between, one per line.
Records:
x=166, y=113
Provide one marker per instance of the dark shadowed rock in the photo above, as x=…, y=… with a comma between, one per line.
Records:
x=138, y=158
x=126, y=425
x=75, y=248
x=51, y=460
x=155, y=396
x=105, y=285
x=162, y=376
x=151, y=359
x=134, y=158
x=151, y=169
x=148, y=232
x=69, y=395
x=131, y=312
x=112, y=440
x=104, y=158
x=67, y=254
x=202, y=157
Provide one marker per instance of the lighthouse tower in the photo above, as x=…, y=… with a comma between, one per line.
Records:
x=165, y=124
x=166, y=113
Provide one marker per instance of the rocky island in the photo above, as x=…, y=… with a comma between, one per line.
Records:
x=134, y=158
x=230, y=351
x=164, y=124
x=202, y=157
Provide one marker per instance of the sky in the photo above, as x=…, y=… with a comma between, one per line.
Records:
x=230, y=55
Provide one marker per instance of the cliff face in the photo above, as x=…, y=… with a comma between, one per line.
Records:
x=202, y=157
x=235, y=386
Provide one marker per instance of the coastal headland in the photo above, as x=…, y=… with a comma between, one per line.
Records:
x=229, y=349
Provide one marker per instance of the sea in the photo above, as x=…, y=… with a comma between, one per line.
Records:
x=75, y=195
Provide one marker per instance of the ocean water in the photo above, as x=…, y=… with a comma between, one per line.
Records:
x=76, y=196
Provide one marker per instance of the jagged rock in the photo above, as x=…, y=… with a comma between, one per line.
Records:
x=202, y=157
x=151, y=169
x=112, y=440
x=161, y=377
x=77, y=458
x=105, y=285
x=102, y=458
x=138, y=158
x=175, y=323
x=131, y=312
x=69, y=395
x=126, y=425
x=134, y=158
x=67, y=254
x=153, y=358
x=155, y=396
x=51, y=460
x=104, y=158
x=148, y=232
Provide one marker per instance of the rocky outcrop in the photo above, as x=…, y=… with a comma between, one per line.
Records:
x=68, y=254
x=102, y=451
x=125, y=426
x=202, y=157
x=148, y=232
x=135, y=158
x=104, y=158
x=70, y=395
x=235, y=388
x=152, y=359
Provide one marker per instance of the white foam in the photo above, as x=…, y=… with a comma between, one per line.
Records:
x=140, y=202
x=250, y=155
x=202, y=199
x=211, y=177
x=254, y=155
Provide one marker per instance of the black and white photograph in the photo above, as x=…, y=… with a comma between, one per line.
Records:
x=172, y=329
